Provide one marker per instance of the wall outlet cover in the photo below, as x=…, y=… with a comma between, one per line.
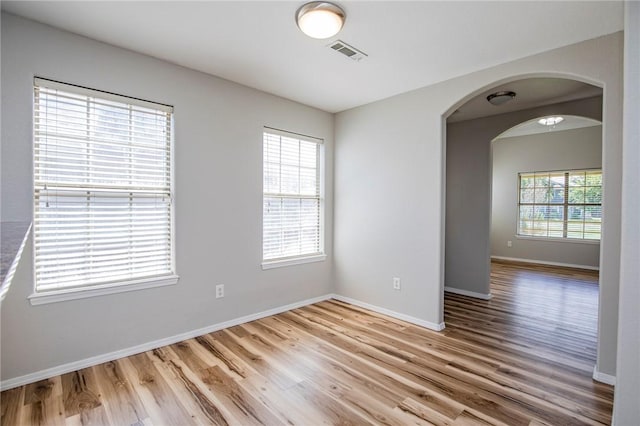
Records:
x=396, y=283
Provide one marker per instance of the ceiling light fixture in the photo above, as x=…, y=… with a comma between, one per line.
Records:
x=499, y=98
x=320, y=19
x=550, y=121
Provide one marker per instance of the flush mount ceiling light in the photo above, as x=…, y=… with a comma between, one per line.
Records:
x=320, y=19
x=550, y=121
x=499, y=98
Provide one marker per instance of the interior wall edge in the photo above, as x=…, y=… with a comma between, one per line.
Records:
x=394, y=314
x=122, y=353
x=607, y=379
x=476, y=295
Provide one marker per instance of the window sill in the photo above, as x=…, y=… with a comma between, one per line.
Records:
x=279, y=263
x=557, y=240
x=54, y=296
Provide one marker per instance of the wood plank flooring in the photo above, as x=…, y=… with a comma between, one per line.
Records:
x=523, y=358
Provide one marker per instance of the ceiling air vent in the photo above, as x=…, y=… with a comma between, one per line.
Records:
x=348, y=51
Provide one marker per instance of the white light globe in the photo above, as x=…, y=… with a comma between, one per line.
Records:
x=320, y=20
x=550, y=121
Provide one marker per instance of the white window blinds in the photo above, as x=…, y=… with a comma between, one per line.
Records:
x=102, y=188
x=292, y=198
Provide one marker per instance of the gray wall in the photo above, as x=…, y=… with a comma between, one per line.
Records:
x=468, y=206
x=218, y=187
x=566, y=150
x=468, y=201
x=390, y=194
x=626, y=410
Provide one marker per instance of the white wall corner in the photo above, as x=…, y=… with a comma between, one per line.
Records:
x=483, y=296
x=602, y=377
x=417, y=321
x=99, y=359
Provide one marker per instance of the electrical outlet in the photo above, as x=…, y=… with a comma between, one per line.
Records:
x=396, y=283
x=219, y=291
x=509, y=243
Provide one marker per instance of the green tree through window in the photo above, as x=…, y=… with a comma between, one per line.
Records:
x=560, y=204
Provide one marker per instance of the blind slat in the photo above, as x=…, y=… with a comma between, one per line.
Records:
x=70, y=90
x=102, y=187
x=291, y=194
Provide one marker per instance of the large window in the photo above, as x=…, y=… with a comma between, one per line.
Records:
x=102, y=190
x=292, y=203
x=562, y=204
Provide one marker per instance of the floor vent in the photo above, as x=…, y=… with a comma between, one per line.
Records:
x=348, y=51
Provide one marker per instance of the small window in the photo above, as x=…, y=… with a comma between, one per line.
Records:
x=103, y=213
x=563, y=204
x=292, y=203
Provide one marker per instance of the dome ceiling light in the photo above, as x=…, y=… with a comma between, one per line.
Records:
x=320, y=19
x=550, y=121
x=499, y=98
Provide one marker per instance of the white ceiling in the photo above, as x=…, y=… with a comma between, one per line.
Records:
x=410, y=44
x=532, y=127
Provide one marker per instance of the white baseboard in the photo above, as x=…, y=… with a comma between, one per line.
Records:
x=99, y=359
x=544, y=262
x=111, y=356
x=483, y=296
x=603, y=378
x=397, y=315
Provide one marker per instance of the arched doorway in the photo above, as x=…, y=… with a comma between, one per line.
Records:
x=468, y=166
x=547, y=192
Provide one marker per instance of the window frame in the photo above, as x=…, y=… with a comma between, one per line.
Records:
x=80, y=291
x=302, y=258
x=565, y=205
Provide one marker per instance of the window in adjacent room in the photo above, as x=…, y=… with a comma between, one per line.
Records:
x=561, y=204
x=292, y=199
x=103, y=212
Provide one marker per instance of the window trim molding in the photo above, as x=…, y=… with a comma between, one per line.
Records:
x=557, y=239
x=64, y=295
x=565, y=205
x=291, y=261
x=320, y=164
x=119, y=286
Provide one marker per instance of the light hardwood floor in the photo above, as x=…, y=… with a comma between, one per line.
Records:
x=523, y=358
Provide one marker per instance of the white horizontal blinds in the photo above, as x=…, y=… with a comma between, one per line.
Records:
x=563, y=204
x=102, y=187
x=292, y=204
